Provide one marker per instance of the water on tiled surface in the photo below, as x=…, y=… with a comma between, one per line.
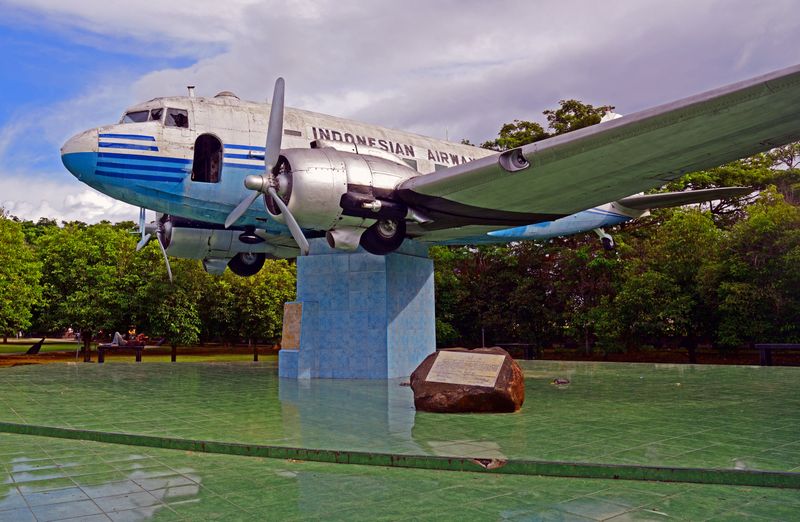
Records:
x=48, y=479
x=672, y=415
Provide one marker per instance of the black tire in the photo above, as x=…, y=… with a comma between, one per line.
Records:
x=245, y=264
x=377, y=239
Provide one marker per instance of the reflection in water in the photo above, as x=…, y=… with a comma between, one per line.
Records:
x=365, y=415
x=138, y=487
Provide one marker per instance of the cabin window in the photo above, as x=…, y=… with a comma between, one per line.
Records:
x=155, y=114
x=135, y=116
x=207, y=164
x=177, y=118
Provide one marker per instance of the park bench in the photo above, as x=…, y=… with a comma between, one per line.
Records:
x=137, y=346
x=765, y=351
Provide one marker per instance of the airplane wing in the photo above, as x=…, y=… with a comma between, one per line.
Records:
x=676, y=199
x=606, y=162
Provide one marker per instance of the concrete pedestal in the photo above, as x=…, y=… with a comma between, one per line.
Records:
x=362, y=316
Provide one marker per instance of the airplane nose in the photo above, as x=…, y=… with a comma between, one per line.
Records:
x=79, y=154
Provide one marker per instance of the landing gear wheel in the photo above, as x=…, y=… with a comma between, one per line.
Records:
x=608, y=243
x=245, y=264
x=384, y=236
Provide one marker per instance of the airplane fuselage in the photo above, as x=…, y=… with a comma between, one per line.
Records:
x=150, y=163
x=188, y=156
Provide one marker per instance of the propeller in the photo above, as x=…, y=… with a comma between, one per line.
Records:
x=160, y=235
x=145, y=236
x=160, y=229
x=263, y=184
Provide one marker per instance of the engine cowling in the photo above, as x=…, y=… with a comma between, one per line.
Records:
x=326, y=189
x=192, y=241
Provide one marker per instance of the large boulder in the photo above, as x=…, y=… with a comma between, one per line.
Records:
x=457, y=380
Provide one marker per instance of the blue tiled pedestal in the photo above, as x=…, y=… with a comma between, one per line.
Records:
x=363, y=316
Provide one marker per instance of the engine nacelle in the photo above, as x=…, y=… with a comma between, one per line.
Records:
x=326, y=189
x=205, y=243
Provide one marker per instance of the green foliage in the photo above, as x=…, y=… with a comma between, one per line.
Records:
x=756, y=281
x=89, y=276
x=258, y=300
x=20, y=272
x=171, y=310
x=516, y=134
x=573, y=115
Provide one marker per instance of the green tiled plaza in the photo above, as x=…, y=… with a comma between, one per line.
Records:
x=710, y=417
x=54, y=479
x=673, y=415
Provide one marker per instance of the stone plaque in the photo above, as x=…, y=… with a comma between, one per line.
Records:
x=292, y=318
x=473, y=369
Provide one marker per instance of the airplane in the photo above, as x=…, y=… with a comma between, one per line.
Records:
x=202, y=163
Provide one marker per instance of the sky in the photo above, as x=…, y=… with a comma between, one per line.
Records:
x=450, y=68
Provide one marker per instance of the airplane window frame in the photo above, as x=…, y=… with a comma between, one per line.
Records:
x=171, y=111
x=126, y=118
x=161, y=112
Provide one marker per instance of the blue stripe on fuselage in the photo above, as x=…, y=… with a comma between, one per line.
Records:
x=242, y=166
x=131, y=175
x=128, y=137
x=246, y=147
x=244, y=156
x=151, y=159
x=126, y=146
x=133, y=166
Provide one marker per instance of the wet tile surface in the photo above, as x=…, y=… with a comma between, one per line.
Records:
x=671, y=415
x=157, y=484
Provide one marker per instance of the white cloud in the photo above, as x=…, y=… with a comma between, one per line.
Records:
x=204, y=21
x=461, y=67
x=61, y=200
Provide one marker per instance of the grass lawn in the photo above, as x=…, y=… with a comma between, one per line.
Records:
x=16, y=348
x=50, y=345
x=161, y=358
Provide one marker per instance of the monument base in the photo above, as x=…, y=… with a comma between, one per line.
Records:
x=358, y=315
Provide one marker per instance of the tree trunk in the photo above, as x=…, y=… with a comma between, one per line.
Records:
x=86, y=336
x=691, y=346
x=255, y=352
x=5, y=338
x=587, y=346
x=174, y=355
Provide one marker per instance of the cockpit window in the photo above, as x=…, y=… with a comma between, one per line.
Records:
x=155, y=114
x=135, y=117
x=177, y=118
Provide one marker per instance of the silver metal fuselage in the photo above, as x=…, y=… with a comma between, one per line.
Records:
x=150, y=164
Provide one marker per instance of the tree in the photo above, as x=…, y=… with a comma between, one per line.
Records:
x=258, y=300
x=91, y=275
x=20, y=272
x=755, y=282
x=516, y=134
x=171, y=310
x=573, y=115
x=570, y=116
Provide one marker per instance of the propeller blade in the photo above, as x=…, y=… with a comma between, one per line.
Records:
x=159, y=235
x=294, y=228
x=275, y=128
x=145, y=237
x=142, y=242
x=241, y=208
